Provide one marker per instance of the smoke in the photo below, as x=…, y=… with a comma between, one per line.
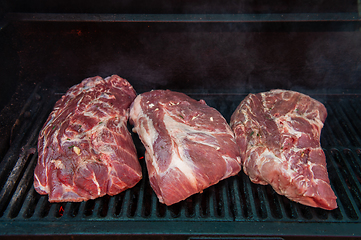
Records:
x=333, y=60
x=192, y=57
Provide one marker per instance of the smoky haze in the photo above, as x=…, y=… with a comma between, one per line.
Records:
x=227, y=58
x=195, y=57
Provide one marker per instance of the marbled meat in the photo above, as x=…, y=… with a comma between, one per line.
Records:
x=85, y=149
x=189, y=145
x=279, y=137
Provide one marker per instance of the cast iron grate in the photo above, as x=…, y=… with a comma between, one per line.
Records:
x=233, y=200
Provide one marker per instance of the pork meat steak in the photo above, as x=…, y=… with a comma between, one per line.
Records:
x=85, y=149
x=279, y=137
x=189, y=145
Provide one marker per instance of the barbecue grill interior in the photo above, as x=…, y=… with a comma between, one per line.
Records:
x=219, y=52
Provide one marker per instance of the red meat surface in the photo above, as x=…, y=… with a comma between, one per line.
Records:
x=278, y=133
x=85, y=149
x=189, y=145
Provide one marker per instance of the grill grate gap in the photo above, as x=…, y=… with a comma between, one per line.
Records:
x=305, y=211
x=118, y=204
x=147, y=198
x=204, y=206
x=45, y=208
x=133, y=203
x=290, y=209
x=34, y=200
x=337, y=214
x=175, y=209
x=104, y=206
x=74, y=209
x=350, y=182
x=161, y=209
x=259, y=201
x=190, y=205
x=89, y=208
x=18, y=204
x=244, y=197
x=273, y=202
x=218, y=203
x=321, y=213
x=232, y=198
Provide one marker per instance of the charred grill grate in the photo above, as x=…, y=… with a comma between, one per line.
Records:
x=227, y=205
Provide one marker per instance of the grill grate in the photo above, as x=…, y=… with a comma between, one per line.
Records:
x=234, y=206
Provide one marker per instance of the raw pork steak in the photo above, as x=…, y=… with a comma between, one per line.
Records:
x=279, y=136
x=189, y=145
x=85, y=149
